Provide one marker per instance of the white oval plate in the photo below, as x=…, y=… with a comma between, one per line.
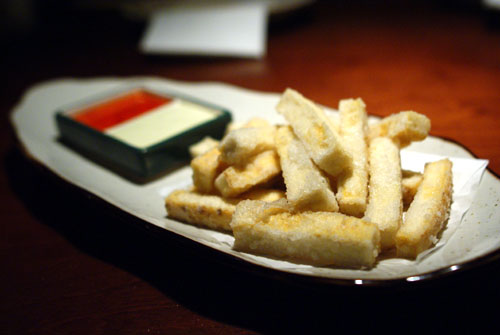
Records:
x=471, y=235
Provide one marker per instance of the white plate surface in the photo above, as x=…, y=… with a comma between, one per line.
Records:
x=473, y=230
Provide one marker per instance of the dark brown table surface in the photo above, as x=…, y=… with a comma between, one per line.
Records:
x=72, y=265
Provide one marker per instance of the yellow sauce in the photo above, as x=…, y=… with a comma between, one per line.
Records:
x=161, y=123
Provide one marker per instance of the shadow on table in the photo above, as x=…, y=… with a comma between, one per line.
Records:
x=197, y=278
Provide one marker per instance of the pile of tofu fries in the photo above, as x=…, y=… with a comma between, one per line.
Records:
x=318, y=190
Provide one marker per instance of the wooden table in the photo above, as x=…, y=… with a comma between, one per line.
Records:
x=70, y=265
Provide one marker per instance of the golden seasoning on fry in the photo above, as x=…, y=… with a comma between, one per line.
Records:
x=210, y=211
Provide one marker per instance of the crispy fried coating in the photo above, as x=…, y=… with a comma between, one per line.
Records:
x=212, y=211
x=385, y=203
x=205, y=168
x=306, y=187
x=240, y=145
x=318, y=238
x=316, y=131
x=428, y=212
x=403, y=128
x=352, y=193
x=206, y=210
x=238, y=179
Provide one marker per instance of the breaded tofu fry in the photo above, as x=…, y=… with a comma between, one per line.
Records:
x=403, y=128
x=428, y=212
x=315, y=130
x=385, y=203
x=201, y=209
x=352, y=193
x=318, y=238
x=241, y=144
x=259, y=169
x=205, y=168
x=199, y=148
x=306, y=187
x=211, y=211
x=410, y=183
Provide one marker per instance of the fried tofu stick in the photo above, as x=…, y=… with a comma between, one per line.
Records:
x=352, y=185
x=316, y=132
x=385, y=204
x=237, y=179
x=403, y=128
x=241, y=144
x=318, y=238
x=428, y=212
x=207, y=165
x=211, y=211
x=205, y=168
x=306, y=187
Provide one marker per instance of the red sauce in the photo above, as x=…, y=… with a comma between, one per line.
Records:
x=115, y=111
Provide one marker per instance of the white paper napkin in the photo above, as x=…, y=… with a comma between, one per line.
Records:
x=214, y=29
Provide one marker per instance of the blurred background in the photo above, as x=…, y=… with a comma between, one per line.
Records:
x=51, y=38
x=416, y=50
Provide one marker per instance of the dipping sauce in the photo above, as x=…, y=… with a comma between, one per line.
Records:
x=140, y=132
x=142, y=119
x=109, y=113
